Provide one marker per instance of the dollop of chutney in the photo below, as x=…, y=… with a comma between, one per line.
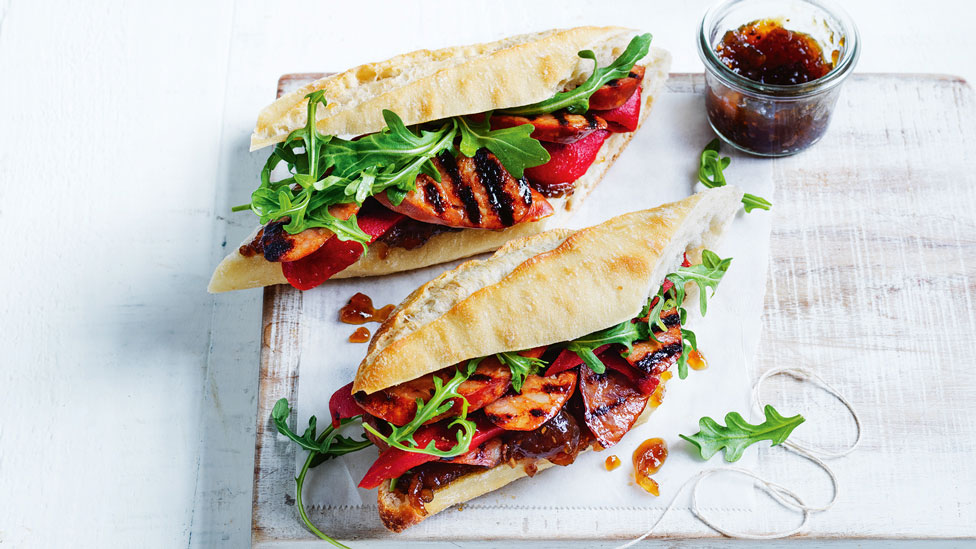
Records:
x=765, y=51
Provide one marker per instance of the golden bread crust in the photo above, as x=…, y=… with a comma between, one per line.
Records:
x=236, y=272
x=426, y=85
x=542, y=289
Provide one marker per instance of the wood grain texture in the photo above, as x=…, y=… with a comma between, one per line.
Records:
x=871, y=283
x=873, y=252
x=273, y=461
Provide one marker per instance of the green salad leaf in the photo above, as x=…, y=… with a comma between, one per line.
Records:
x=330, y=443
x=307, y=206
x=514, y=146
x=710, y=174
x=440, y=403
x=689, y=343
x=751, y=202
x=521, y=366
x=738, y=434
x=389, y=160
x=392, y=158
x=322, y=447
x=708, y=274
x=625, y=333
x=577, y=100
x=705, y=275
x=711, y=165
x=326, y=171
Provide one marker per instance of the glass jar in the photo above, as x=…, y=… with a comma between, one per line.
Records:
x=772, y=119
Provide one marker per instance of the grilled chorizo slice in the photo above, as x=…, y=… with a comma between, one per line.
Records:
x=489, y=454
x=611, y=404
x=540, y=400
x=556, y=127
x=278, y=245
x=474, y=192
x=616, y=92
x=654, y=357
x=398, y=404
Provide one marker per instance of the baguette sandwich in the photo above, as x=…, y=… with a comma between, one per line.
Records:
x=437, y=155
x=558, y=343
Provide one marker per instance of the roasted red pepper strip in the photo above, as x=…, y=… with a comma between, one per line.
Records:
x=665, y=287
x=647, y=384
x=609, y=357
x=394, y=462
x=335, y=255
x=343, y=406
x=616, y=92
x=567, y=161
x=568, y=359
x=534, y=352
x=612, y=360
x=626, y=117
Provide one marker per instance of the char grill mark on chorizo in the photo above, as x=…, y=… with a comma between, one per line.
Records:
x=473, y=192
x=491, y=176
x=434, y=197
x=279, y=245
x=654, y=357
x=664, y=354
x=275, y=242
x=611, y=404
x=556, y=127
x=461, y=189
x=669, y=318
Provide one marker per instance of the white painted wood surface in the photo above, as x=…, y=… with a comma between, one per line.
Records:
x=872, y=282
x=128, y=394
x=862, y=239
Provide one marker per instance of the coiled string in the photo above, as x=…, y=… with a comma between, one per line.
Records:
x=778, y=492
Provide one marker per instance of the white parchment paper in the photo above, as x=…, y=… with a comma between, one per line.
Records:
x=660, y=165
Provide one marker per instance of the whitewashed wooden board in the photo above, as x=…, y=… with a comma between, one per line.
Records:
x=871, y=284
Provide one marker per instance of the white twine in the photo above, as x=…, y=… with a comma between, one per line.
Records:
x=783, y=495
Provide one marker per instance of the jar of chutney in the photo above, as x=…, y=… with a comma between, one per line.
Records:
x=773, y=71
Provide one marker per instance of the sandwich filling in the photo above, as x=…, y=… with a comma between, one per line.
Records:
x=400, y=186
x=520, y=408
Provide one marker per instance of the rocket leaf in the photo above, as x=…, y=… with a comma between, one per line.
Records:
x=521, y=366
x=514, y=147
x=710, y=174
x=738, y=434
x=577, y=100
x=625, y=333
x=440, y=403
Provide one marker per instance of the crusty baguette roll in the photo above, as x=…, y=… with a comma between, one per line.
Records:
x=237, y=272
x=551, y=287
x=555, y=286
